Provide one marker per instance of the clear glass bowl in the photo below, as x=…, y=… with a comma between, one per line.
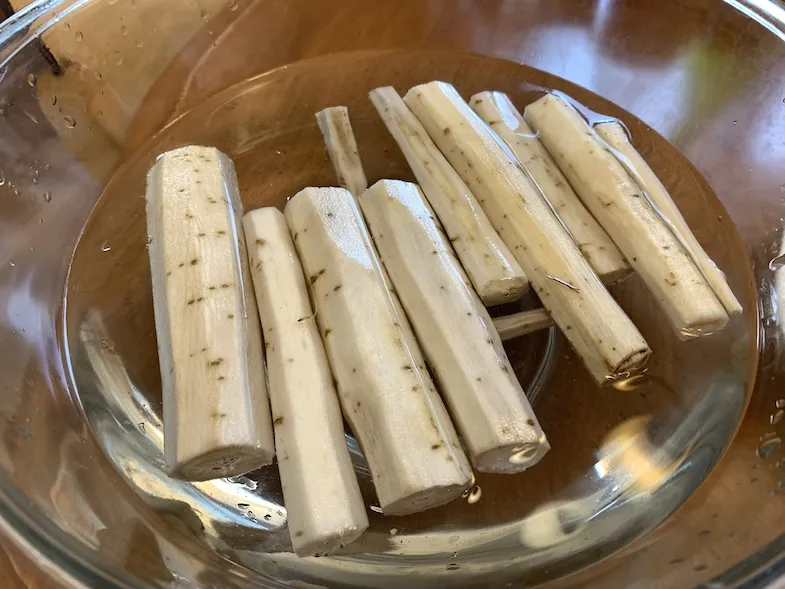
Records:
x=92, y=90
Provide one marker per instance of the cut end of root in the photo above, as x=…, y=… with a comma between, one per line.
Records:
x=424, y=500
x=512, y=458
x=634, y=362
x=220, y=463
x=311, y=543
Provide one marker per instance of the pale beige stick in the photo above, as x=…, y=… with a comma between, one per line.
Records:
x=616, y=136
x=496, y=275
x=216, y=412
x=522, y=323
x=496, y=109
x=647, y=242
x=387, y=395
x=342, y=148
x=320, y=490
x=465, y=353
x=601, y=333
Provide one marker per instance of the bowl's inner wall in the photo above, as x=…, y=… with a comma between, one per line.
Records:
x=685, y=85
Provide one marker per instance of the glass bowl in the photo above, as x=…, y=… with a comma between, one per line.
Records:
x=92, y=90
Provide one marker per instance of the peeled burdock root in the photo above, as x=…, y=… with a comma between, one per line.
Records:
x=600, y=332
x=216, y=412
x=496, y=109
x=617, y=139
x=645, y=238
x=496, y=275
x=323, y=502
x=489, y=407
x=342, y=147
x=387, y=395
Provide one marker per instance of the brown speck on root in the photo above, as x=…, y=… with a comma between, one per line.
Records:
x=278, y=421
x=299, y=533
x=505, y=369
x=216, y=362
x=225, y=285
x=181, y=265
x=338, y=287
x=260, y=242
x=191, y=301
x=436, y=446
x=359, y=403
x=210, y=288
x=221, y=378
x=327, y=332
x=407, y=367
x=221, y=232
x=200, y=299
x=529, y=422
x=230, y=316
x=479, y=379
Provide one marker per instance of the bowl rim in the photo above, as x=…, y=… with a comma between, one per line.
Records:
x=74, y=564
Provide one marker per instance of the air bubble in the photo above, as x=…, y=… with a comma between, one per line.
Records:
x=775, y=418
x=105, y=247
x=31, y=79
x=79, y=36
x=768, y=447
x=233, y=6
x=69, y=121
x=53, y=100
x=376, y=509
x=139, y=43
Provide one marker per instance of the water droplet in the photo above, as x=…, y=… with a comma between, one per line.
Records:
x=108, y=346
x=453, y=566
x=138, y=43
x=32, y=117
x=70, y=122
x=475, y=493
x=53, y=100
x=768, y=448
x=233, y=5
x=16, y=191
x=98, y=75
x=2, y=178
x=250, y=515
x=780, y=404
x=31, y=79
x=105, y=247
x=47, y=167
x=123, y=30
x=203, y=14
x=376, y=509
x=393, y=531
x=735, y=122
x=267, y=517
x=455, y=555
x=79, y=36
x=118, y=58
x=776, y=417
